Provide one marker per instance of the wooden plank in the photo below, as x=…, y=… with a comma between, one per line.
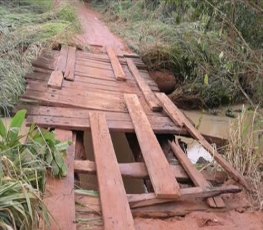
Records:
x=197, y=135
x=62, y=59
x=70, y=123
x=56, y=79
x=70, y=67
x=196, y=176
x=161, y=175
x=148, y=199
x=116, y=66
x=135, y=170
x=115, y=206
x=53, y=99
x=147, y=92
x=59, y=196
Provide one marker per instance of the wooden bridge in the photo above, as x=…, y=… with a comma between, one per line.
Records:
x=73, y=91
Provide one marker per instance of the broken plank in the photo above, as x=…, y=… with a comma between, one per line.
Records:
x=146, y=90
x=148, y=199
x=116, y=66
x=198, y=136
x=70, y=67
x=115, y=206
x=161, y=175
x=135, y=170
x=59, y=196
x=196, y=176
x=62, y=59
x=56, y=79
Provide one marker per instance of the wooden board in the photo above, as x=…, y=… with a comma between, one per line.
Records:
x=161, y=175
x=196, y=176
x=172, y=109
x=135, y=170
x=116, y=66
x=70, y=67
x=56, y=79
x=148, y=199
x=147, y=92
x=62, y=59
x=59, y=196
x=115, y=207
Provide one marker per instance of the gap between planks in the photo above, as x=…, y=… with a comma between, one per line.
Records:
x=115, y=207
x=162, y=178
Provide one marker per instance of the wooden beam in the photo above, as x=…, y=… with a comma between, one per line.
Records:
x=115, y=207
x=70, y=67
x=171, y=109
x=59, y=196
x=62, y=59
x=146, y=90
x=148, y=199
x=135, y=170
x=196, y=176
x=56, y=79
x=116, y=66
x=161, y=175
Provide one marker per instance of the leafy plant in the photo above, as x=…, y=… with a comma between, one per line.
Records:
x=23, y=169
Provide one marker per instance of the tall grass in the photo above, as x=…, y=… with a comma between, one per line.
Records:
x=25, y=28
x=245, y=151
x=214, y=48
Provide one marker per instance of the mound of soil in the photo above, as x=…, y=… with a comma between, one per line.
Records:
x=165, y=80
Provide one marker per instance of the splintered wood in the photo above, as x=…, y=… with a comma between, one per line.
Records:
x=174, y=113
x=115, y=206
x=162, y=178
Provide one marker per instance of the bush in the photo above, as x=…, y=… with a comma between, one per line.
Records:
x=213, y=47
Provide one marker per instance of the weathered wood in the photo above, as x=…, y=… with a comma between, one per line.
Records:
x=162, y=178
x=197, y=135
x=116, y=66
x=115, y=207
x=56, y=79
x=135, y=170
x=147, y=92
x=70, y=67
x=148, y=199
x=53, y=99
x=196, y=176
x=59, y=196
x=62, y=59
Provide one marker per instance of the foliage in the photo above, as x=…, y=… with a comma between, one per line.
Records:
x=27, y=27
x=23, y=167
x=213, y=47
x=245, y=150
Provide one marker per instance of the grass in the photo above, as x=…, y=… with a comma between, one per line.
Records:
x=245, y=151
x=25, y=29
x=210, y=63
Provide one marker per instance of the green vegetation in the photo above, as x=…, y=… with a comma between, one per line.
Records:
x=26, y=27
x=214, y=48
x=23, y=168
